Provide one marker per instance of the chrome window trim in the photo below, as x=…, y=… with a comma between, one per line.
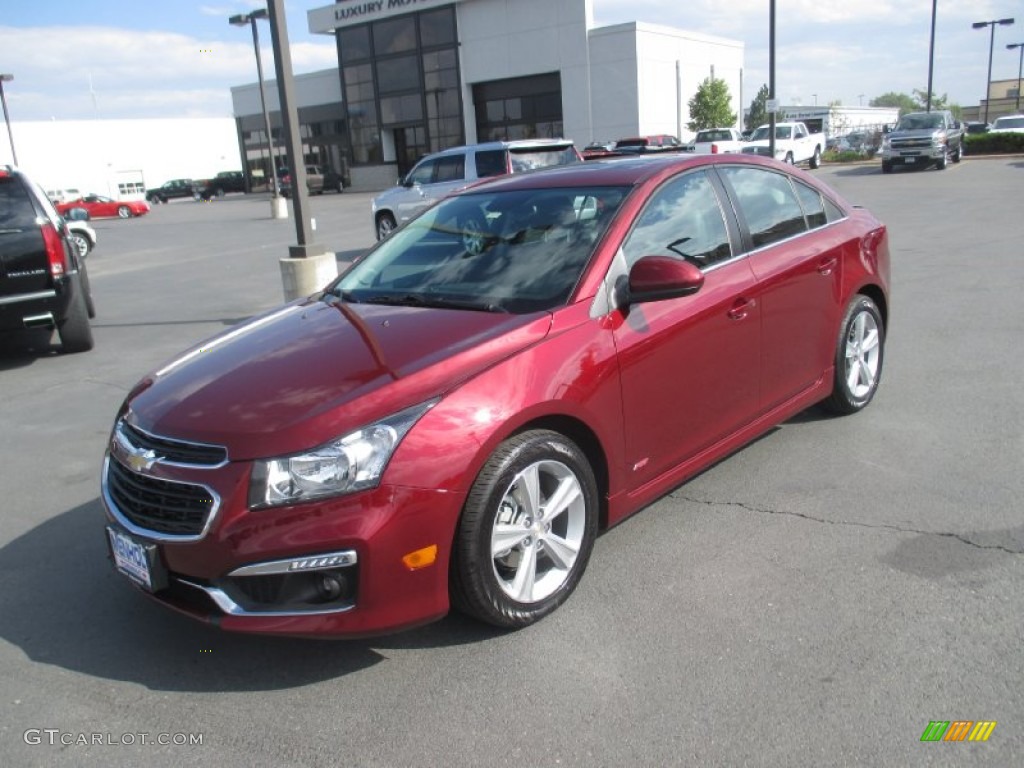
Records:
x=146, y=533
x=231, y=608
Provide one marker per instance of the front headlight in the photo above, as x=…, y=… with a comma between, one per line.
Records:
x=350, y=463
x=886, y=143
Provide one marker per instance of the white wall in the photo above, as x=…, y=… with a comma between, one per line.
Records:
x=311, y=89
x=515, y=38
x=92, y=155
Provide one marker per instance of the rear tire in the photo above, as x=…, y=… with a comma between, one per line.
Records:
x=859, y=356
x=816, y=158
x=74, y=330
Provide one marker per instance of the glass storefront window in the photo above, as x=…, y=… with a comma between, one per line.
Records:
x=437, y=27
x=394, y=36
x=354, y=44
x=398, y=74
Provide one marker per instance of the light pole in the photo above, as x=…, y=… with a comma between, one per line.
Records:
x=860, y=98
x=991, y=45
x=240, y=20
x=6, y=78
x=1020, y=67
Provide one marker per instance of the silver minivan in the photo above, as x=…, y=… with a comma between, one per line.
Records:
x=444, y=172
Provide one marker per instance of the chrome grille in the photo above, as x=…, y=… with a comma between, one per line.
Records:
x=164, y=507
x=923, y=143
x=174, y=451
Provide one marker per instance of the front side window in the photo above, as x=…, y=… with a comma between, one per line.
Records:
x=767, y=202
x=682, y=220
x=451, y=168
x=422, y=173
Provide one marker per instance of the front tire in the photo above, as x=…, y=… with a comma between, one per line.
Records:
x=859, y=355
x=526, y=532
x=940, y=164
x=124, y=212
x=82, y=244
x=386, y=224
x=886, y=167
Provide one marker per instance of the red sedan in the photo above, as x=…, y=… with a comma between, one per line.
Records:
x=100, y=207
x=453, y=420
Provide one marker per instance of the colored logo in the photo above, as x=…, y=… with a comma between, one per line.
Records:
x=958, y=730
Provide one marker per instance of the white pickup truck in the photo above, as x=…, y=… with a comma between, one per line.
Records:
x=716, y=141
x=793, y=144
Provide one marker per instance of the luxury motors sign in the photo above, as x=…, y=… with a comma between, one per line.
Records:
x=346, y=13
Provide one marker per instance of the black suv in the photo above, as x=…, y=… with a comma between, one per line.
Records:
x=43, y=284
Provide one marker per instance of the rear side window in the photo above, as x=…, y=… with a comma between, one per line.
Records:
x=810, y=201
x=490, y=162
x=767, y=202
x=16, y=209
x=451, y=168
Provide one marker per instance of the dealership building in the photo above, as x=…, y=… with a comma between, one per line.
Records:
x=416, y=76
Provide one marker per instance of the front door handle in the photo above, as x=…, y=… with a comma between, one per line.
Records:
x=741, y=308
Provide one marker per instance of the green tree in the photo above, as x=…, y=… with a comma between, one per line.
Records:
x=902, y=101
x=709, y=107
x=757, y=115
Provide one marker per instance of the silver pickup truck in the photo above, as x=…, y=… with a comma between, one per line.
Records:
x=923, y=139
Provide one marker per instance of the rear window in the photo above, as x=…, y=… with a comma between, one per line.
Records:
x=16, y=209
x=528, y=160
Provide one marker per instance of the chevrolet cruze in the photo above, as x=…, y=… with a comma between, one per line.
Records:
x=455, y=418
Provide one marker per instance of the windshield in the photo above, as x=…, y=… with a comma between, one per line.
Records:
x=920, y=122
x=508, y=251
x=762, y=133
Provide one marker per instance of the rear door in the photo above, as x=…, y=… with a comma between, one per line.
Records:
x=798, y=262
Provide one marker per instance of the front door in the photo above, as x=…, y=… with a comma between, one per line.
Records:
x=689, y=366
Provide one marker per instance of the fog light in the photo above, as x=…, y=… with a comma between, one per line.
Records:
x=421, y=558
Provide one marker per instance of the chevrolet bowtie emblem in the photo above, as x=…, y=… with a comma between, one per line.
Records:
x=141, y=461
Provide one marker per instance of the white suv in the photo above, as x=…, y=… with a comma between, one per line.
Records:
x=440, y=174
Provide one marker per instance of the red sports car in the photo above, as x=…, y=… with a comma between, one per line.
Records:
x=99, y=206
x=453, y=420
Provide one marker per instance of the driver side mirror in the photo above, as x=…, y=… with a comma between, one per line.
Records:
x=658, y=278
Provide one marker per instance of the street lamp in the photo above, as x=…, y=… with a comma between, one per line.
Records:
x=240, y=20
x=6, y=78
x=991, y=44
x=1020, y=67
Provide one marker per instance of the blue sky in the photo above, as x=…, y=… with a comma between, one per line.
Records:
x=178, y=58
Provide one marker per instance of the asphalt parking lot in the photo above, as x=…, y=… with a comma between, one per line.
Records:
x=814, y=600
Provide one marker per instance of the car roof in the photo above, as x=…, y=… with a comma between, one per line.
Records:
x=623, y=171
x=517, y=144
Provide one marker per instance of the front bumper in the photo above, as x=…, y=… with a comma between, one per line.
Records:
x=920, y=156
x=329, y=568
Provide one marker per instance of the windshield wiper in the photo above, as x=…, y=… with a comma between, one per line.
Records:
x=440, y=302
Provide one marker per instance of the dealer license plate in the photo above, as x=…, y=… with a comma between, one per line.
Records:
x=132, y=558
x=910, y=159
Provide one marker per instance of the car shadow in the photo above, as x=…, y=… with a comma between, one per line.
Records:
x=21, y=348
x=860, y=170
x=63, y=604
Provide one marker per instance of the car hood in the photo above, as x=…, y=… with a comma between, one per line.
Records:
x=314, y=370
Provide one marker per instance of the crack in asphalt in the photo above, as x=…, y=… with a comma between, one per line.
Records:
x=852, y=523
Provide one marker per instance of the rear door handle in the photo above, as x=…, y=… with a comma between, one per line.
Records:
x=826, y=266
x=741, y=308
